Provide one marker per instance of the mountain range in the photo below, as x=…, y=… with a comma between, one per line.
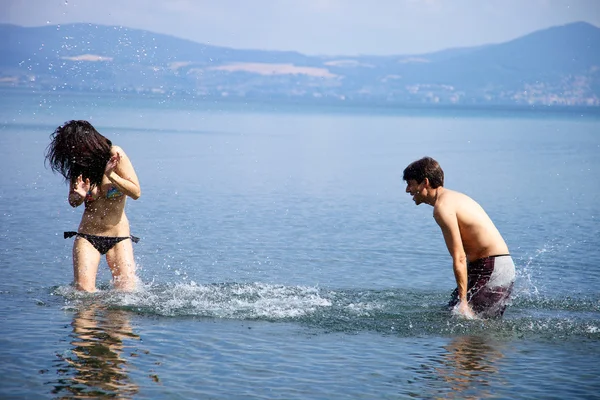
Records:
x=555, y=66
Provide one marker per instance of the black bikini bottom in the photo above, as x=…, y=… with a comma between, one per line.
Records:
x=102, y=243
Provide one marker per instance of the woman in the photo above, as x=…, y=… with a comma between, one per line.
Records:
x=101, y=177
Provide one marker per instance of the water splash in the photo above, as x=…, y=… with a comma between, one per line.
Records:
x=530, y=269
x=393, y=311
x=237, y=301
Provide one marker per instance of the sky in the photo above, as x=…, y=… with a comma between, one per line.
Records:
x=317, y=27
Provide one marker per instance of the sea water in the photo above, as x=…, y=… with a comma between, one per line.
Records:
x=281, y=258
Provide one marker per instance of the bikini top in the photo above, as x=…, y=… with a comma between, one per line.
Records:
x=111, y=193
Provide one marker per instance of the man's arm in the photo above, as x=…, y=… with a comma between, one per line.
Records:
x=447, y=219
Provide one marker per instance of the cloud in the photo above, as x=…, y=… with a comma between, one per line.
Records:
x=275, y=69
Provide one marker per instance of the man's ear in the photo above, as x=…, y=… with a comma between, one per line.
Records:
x=426, y=182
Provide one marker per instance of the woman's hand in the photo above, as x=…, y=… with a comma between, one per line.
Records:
x=82, y=188
x=79, y=191
x=112, y=163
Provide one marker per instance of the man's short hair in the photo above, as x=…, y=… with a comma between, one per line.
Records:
x=426, y=167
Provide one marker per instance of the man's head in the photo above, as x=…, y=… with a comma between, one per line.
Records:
x=421, y=176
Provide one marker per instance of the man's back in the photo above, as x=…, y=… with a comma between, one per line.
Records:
x=479, y=234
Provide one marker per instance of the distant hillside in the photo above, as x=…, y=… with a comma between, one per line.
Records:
x=559, y=65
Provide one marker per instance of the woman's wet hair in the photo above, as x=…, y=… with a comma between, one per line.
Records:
x=426, y=167
x=77, y=148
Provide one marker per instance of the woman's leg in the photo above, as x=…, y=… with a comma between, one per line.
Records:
x=85, y=265
x=122, y=265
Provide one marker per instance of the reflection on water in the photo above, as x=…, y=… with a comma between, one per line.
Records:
x=95, y=366
x=466, y=368
x=470, y=367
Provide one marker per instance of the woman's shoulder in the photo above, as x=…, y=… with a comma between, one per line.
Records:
x=116, y=149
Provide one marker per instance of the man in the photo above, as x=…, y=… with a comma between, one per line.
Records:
x=483, y=269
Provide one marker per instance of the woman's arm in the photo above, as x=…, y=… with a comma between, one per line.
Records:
x=120, y=172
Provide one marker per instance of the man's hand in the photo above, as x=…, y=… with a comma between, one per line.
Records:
x=464, y=310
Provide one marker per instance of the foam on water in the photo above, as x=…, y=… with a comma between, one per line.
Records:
x=228, y=300
x=394, y=311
